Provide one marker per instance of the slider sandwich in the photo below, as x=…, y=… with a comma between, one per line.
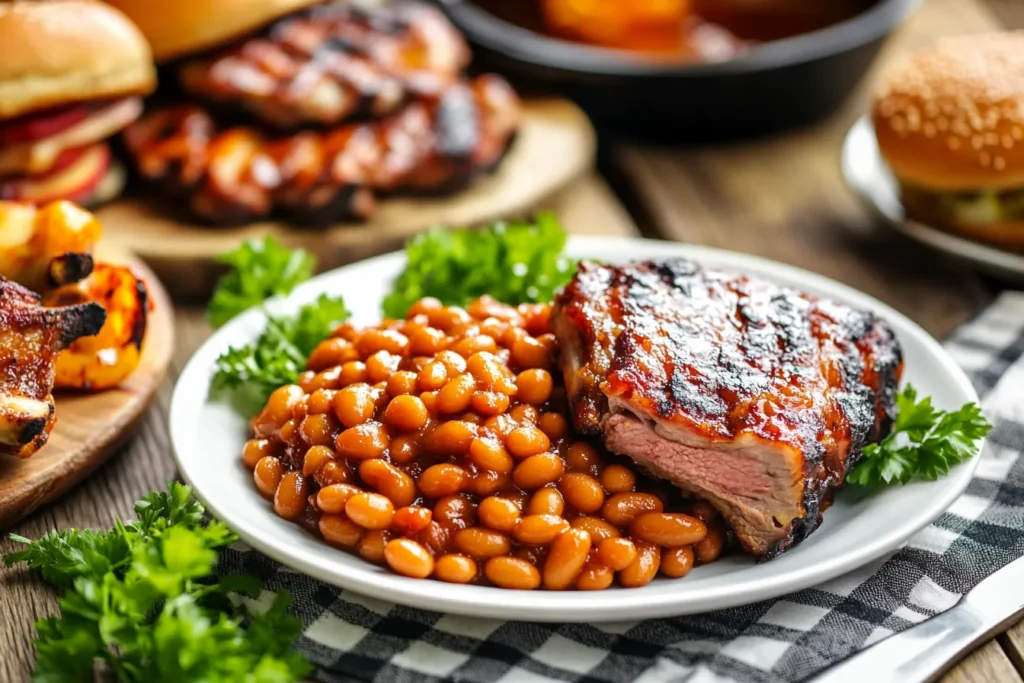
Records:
x=71, y=76
x=950, y=124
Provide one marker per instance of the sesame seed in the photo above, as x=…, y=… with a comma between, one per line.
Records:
x=929, y=129
x=1007, y=142
x=954, y=143
x=999, y=163
x=985, y=158
x=977, y=142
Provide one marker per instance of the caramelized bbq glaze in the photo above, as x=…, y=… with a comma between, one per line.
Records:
x=239, y=173
x=332, y=62
x=712, y=359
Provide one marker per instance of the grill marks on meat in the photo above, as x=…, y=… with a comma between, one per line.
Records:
x=238, y=174
x=333, y=62
x=750, y=395
x=31, y=337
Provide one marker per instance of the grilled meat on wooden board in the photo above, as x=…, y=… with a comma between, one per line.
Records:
x=331, y=63
x=31, y=337
x=750, y=395
x=238, y=173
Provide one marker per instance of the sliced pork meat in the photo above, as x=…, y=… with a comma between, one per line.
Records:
x=750, y=395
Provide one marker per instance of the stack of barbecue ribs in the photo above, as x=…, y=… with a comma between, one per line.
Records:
x=322, y=111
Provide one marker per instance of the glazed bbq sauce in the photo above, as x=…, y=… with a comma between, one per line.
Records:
x=714, y=30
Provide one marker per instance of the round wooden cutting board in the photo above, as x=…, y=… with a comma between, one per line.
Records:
x=555, y=145
x=90, y=427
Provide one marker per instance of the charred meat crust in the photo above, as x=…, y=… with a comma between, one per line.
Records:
x=235, y=174
x=70, y=268
x=711, y=360
x=330, y=64
x=31, y=337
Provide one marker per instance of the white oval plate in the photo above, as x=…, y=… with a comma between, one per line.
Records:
x=208, y=439
x=869, y=176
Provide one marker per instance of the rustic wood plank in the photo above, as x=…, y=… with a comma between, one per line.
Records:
x=1012, y=643
x=987, y=664
x=784, y=198
x=589, y=207
x=1009, y=12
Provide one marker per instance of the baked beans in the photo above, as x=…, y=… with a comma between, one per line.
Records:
x=441, y=446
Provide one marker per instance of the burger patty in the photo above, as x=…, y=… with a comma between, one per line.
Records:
x=330, y=63
x=978, y=207
x=238, y=174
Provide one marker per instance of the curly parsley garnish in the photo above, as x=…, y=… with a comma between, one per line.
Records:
x=260, y=269
x=142, y=601
x=513, y=262
x=246, y=376
x=925, y=442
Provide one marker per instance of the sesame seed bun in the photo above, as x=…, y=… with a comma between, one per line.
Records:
x=952, y=117
x=65, y=51
x=176, y=28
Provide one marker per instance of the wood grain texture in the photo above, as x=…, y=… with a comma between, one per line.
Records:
x=90, y=427
x=784, y=198
x=555, y=146
x=145, y=463
x=987, y=664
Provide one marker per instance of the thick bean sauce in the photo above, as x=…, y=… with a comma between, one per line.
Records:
x=440, y=446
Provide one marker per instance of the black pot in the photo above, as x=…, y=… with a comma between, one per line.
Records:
x=777, y=85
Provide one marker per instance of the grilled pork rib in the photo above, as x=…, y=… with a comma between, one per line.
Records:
x=237, y=174
x=31, y=337
x=752, y=396
x=331, y=63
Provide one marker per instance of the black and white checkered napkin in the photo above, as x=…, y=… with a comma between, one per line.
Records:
x=351, y=637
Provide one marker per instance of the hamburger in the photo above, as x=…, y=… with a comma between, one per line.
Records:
x=310, y=110
x=71, y=76
x=950, y=124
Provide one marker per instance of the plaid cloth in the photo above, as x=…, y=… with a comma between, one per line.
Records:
x=350, y=637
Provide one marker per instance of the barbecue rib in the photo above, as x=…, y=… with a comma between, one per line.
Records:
x=31, y=337
x=752, y=396
x=333, y=62
x=239, y=174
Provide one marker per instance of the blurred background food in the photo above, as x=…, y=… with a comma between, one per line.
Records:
x=950, y=124
x=686, y=69
x=71, y=76
x=309, y=111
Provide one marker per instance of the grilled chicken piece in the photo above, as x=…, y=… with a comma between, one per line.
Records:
x=107, y=357
x=46, y=246
x=238, y=174
x=31, y=337
x=752, y=396
x=330, y=63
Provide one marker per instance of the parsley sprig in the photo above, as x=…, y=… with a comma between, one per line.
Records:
x=260, y=269
x=246, y=376
x=142, y=600
x=513, y=262
x=925, y=442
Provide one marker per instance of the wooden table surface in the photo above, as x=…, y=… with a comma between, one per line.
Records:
x=781, y=198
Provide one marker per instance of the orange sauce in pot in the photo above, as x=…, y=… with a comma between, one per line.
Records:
x=696, y=30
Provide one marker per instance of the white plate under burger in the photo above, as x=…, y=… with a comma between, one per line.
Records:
x=870, y=177
x=208, y=437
